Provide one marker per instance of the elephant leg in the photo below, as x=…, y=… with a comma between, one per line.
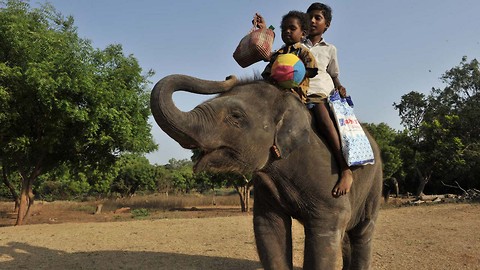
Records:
x=323, y=243
x=273, y=234
x=361, y=237
x=346, y=252
x=274, y=241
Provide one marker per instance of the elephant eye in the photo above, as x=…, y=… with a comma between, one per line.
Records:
x=236, y=118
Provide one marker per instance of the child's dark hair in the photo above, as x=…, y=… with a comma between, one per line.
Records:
x=302, y=17
x=325, y=9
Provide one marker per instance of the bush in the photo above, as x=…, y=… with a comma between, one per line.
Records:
x=140, y=213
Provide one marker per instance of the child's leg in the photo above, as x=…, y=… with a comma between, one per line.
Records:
x=327, y=127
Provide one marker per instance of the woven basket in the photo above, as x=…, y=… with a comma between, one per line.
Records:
x=254, y=47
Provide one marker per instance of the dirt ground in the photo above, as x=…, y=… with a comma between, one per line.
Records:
x=441, y=236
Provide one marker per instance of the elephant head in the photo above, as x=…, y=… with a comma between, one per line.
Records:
x=235, y=130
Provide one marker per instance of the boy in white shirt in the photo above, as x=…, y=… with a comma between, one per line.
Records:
x=322, y=85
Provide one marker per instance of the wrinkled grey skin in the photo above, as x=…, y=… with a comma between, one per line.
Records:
x=236, y=131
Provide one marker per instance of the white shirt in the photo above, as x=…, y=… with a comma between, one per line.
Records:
x=326, y=57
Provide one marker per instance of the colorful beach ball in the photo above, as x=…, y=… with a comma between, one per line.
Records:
x=288, y=70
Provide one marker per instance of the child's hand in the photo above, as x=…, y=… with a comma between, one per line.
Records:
x=339, y=87
x=258, y=21
x=342, y=91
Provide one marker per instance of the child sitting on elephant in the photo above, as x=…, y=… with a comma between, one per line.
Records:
x=322, y=85
x=287, y=71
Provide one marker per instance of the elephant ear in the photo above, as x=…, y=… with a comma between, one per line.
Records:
x=291, y=129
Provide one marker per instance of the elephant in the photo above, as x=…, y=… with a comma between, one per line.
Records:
x=390, y=185
x=252, y=127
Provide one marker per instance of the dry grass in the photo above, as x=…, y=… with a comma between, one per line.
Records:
x=171, y=202
x=155, y=206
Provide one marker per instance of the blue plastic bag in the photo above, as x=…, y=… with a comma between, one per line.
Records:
x=356, y=147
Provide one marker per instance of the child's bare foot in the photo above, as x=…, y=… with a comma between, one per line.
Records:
x=344, y=184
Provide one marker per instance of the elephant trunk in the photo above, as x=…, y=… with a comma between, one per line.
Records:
x=177, y=124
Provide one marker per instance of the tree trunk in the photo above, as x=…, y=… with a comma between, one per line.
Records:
x=26, y=199
x=247, y=198
x=241, y=194
x=11, y=188
x=423, y=180
x=98, y=209
x=244, y=193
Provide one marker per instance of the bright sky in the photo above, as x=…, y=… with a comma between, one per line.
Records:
x=385, y=48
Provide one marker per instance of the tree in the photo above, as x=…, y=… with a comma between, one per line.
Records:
x=412, y=110
x=241, y=183
x=181, y=175
x=460, y=101
x=441, y=140
x=135, y=173
x=64, y=100
x=11, y=187
x=385, y=137
x=162, y=181
x=62, y=182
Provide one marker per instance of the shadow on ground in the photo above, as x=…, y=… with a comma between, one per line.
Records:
x=24, y=256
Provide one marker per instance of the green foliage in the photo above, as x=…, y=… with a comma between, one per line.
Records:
x=412, y=111
x=204, y=182
x=441, y=141
x=13, y=178
x=140, y=213
x=131, y=174
x=135, y=173
x=181, y=175
x=100, y=179
x=162, y=181
x=63, y=189
x=62, y=183
x=68, y=182
x=61, y=100
x=386, y=140
x=207, y=181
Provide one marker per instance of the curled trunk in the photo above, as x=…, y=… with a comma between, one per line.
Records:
x=177, y=124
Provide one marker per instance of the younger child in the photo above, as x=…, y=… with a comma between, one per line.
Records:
x=322, y=85
x=294, y=28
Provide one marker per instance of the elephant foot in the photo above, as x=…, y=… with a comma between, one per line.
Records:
x=344, y=184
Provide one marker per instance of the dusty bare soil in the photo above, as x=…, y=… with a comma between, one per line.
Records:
x=441, y=236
